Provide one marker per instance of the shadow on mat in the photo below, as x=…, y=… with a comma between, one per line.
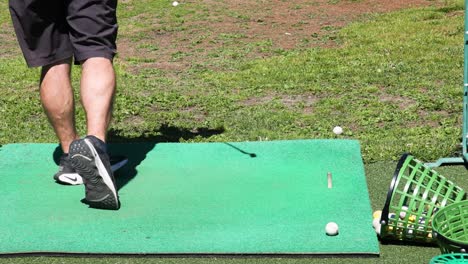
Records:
x=251, y=154
x=136, y=148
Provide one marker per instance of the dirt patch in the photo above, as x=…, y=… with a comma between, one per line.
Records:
x=8, y=42
x=400, y=101
x=272, y=25
x=286, y=23
x=252, y=29
x=304, y=101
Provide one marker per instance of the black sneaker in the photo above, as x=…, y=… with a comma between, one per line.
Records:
x=89, y=158
x=68, y=176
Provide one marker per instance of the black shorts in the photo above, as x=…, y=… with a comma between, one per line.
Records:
x=54, y=30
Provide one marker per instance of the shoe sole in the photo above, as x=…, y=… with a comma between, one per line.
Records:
x=75, y=178
x=85, y=160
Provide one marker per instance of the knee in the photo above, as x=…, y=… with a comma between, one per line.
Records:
x=98, y=62
x=58, y=68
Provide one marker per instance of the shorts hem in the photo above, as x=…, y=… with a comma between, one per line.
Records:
x=40, y=62
x=94, y=54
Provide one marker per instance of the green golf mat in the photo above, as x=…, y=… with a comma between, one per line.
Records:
x=268, y=197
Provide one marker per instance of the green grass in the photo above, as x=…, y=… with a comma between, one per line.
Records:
x=394, y=82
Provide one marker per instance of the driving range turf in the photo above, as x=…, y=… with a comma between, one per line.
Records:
x=378, y=178
x=263, y=197
x=393, y=81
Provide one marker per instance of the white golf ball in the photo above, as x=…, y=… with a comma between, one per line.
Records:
x=375, y=223
x=337, y=130
x=404, y=209
x=331, y=229
x=175, y=3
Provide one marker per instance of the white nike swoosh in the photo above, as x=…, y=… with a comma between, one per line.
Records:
x=71, y=178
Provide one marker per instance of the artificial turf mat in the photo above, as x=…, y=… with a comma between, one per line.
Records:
x=190, y=198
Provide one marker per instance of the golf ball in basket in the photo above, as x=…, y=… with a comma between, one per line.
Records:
x=404, y=209
x=337, y=130
x=175, y=3
x=377, y=214
x=331, y=229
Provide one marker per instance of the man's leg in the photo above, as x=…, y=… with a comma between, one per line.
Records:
x=93, y=31
x=97, y=93
x=89, y=155
x=58, y=101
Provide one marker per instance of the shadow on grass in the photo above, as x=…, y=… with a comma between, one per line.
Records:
x=137, y=148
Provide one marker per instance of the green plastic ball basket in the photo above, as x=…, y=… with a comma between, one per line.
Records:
x=450, y=259
x=450, y=228
x=415, y=194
